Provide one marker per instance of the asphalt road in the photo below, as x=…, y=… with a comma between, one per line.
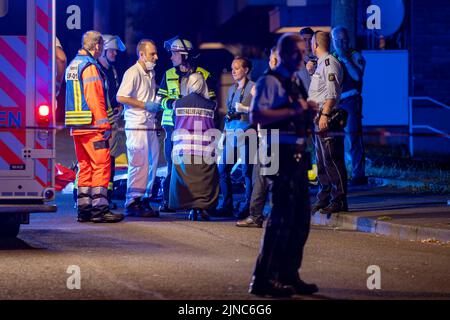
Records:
x=173, y=258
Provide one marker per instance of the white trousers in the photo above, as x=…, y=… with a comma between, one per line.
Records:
x=143, y=157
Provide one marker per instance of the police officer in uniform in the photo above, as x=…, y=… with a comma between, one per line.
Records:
x=353, y=64
x=325, y=90
x=280, y=103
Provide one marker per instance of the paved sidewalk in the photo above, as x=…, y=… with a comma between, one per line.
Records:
x=394, y=213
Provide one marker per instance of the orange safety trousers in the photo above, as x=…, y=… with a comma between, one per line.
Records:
x=94, y=160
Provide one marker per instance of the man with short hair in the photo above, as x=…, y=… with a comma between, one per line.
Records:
x=353, y=64
x=308, y=57
x=325, y=90
x=280, y=106
x=137, y=93
x=86, y=115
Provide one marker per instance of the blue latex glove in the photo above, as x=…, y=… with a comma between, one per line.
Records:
x=151, y=106
x=107, y=134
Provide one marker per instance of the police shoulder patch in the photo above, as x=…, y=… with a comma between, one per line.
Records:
x=327, y=62
x=331, y=77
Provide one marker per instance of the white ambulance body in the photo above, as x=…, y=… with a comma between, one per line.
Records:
x=27, y=109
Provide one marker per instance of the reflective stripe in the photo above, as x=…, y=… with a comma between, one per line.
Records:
x=199, y=112
x=78, y=122
x=191, y=137
x=84, y=190
x=110, y=185
x=99, y=190
x=77, y=95
x=92, y=79
x=79, y=113
x=78, y=118
x=110, y=113
x=83, y=201
x=167, y=118
x=164, y=103
x=191, y=147
x=100, y=200
x=137, y=190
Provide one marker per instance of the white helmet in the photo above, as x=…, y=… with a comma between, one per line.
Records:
x=178, y=45
x=112, y=42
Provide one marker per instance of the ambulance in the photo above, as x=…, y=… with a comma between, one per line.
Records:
x=27, y=109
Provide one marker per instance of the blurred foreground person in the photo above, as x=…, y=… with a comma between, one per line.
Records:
x=280, y=104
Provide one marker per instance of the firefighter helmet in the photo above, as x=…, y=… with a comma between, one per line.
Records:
x=177, y=44
x=112, y=42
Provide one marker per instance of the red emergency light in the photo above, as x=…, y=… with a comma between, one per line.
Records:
x=43, y=115
x=44, y=110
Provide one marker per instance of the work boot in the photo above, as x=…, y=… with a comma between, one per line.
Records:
x=137, y=209
x=148, y=213
x=84, y=218
x=108, y=217
x=301, y=287
x=317, y=206
x=334, y=207
x=250, y=222
x=271, y=288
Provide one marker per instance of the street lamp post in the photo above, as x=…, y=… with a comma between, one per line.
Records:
x=343, y=13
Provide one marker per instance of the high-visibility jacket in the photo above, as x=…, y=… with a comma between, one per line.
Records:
x=169, y=91
x=87, y=102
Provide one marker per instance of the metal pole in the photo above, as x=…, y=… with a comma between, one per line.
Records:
x=3, y=8
x=102, y=16
x=343, y=13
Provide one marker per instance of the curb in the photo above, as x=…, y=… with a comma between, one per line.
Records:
x=405, y=183
x=389, y=229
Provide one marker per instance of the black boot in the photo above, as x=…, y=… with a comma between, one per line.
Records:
x=271, y=288
x=335, y=207
x=137, y=209
x=100, y=207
